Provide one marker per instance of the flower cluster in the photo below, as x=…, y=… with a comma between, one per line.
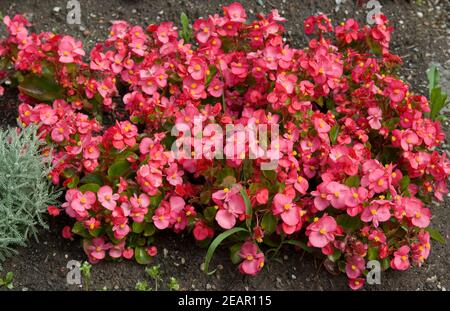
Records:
x=357, y=151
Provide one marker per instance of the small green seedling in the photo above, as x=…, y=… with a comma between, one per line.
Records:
x=7, y=281
x=155, y=273
x=173, y=284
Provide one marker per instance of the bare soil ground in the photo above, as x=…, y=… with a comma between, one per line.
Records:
x=421, y=37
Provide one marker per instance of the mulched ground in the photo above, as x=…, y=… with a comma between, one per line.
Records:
x=421, y=38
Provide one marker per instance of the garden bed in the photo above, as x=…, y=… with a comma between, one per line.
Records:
x=419, y=38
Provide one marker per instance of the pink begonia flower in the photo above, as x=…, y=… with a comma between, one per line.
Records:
x=202, y=231
x=174, y=175
x=262, y=196
x=253, y=259
x=60, y=132
x=337, y=194
x=128, y=253
x=138, y=47
x=48, y=115
x=67, y=232
x=320, y=197
x=152, y=251
x=215, y=88
x=142, y=201
x=161, y=218
x=377, y=237
x=91, y=151
x=150, y=178
x=69, y=49
x=53, y=210
x=203, y=29
x=95, y=249
x=421, y=250
x=235, y=12
x=193, y=88
x=396, y=90
x=117, y=250
x=83, y=202
x=233, y=208
x=106, y=197
x=408, y=140
x=301, y=184
x=374, y=118
x=376, y=213
x=355, y=266
x=139, y=207
x=401, y=258
x=283, y=206
x=322, y=231
x=120, y=227
x=356, y=196
x=420, y=216
x=92, y=223
x=225, y=194
x=356, y=284
x=197, y=68
x=376, y=180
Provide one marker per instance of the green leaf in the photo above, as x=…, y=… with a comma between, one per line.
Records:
x=269, y=223
x=73, y=183
x=186, y=32
x=335, y=256
x=149, y=229
x=222, y=174
x=156, y=199
x=210, y=213
x=89, y=187
x=385, y=264
x=41, y=88
x=211, y=75
x=334, y=132
x=141, y=255
x=372, y=253
x=228, y=182
x=438, y=100
x=248, y=208
x=234, y=253
x=92, y=179
x=435, y=235
x=269, y=242
x=80, y=229
x=219, y=239
x=270, y=175
x=97, y=232
x=300, y=244
x=352, y=181
x=138, y=227
x=348, y=222
x=404, y=183
x=433, y=77
x=9, y=277
x=118, y=168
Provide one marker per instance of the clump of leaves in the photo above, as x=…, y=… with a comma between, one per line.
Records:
x=86, y=273
x=438, y=98
x=155, y=273
x=143, y=286
x=173, y=284
x=7, y=281
x=25, y=190
x=186, y=29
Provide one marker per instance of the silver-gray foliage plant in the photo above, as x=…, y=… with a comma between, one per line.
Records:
x=25, y=190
